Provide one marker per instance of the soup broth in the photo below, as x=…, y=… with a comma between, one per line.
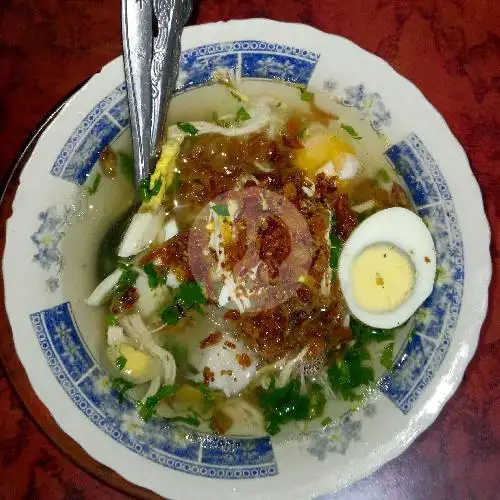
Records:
x=222, y=309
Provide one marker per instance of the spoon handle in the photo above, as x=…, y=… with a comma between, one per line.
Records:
x=151, y=67
x=137, y=18
x=171, y=16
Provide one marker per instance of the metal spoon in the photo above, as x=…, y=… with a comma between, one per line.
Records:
x=151, y=32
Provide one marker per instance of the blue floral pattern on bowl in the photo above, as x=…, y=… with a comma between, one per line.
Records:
x=47, y=239
x=337, y=437
x=437, y=318
x=173, y=446
x=369, y=104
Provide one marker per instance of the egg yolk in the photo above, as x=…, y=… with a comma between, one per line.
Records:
x=382, y=278
x=320, y=150
x=137, y=362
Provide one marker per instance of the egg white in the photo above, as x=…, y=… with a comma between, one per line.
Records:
x=405, y=230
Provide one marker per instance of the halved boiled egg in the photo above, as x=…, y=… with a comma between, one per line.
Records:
x=387, y=267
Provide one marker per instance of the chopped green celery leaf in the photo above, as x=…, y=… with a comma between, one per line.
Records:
x=357, y=350
x=144, y=191
x=242, y=115
x=305, y=95
x=95, y=184
x=112, y=320
x=335, y=244
x=190, y=295
x=189, y=420
x=333, y=223
x=171, y=315
x=126, y=163
x=350, y=130
x=173, y=187
x=150, y=271
x=147, y=409
x=282, y=405
x=166, y=391
x=221, y=210
x=156, y=187
x=208, y=397
x=204, y=389
x=189, y=128
x=127, y=279
x=120, y=362
x=302, y=132
x=125, y=264
x=365, y=333
x=383, y=176
x=317, y=401
x=335, y=249
x=350, y=373
x=326, y=421
x=386, y=358
x=122, y=386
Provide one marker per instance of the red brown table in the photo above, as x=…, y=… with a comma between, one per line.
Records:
x=449, y=48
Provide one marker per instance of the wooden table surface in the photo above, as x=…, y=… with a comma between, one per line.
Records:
x=449, y=48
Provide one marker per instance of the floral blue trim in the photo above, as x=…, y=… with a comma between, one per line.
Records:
x=172, y=446
x=47, y=239
x=248, y=58
x=437, y=318
x=337, y=437
x=97, y=130
x=370, y=104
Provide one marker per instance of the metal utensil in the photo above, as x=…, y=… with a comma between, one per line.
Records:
x=151, y=31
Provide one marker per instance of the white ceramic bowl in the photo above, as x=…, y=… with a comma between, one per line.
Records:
x=48, y=319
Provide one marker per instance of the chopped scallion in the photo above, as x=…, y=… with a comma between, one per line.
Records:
x=112, y=320
x=221, y=209
x=147, y=409
x=120, y=362
x=305, y=95
x=121, y=386
x=127, y=168
x=351, y=131
x=150, y=271
x=95, y=184
x=242, y=115
x=386, y=358
x=189, y=128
